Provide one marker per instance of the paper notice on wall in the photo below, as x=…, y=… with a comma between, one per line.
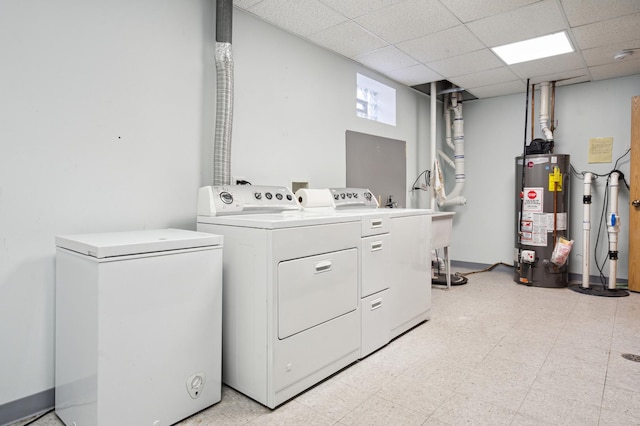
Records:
x=600, y=150
x=532, y=199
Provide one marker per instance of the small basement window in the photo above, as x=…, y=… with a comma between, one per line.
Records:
x=375, y=101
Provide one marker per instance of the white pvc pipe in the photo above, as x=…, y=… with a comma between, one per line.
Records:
x=544, y=111
x=447, y=122
x=433, y=136
x=586, y=229
x=446, y=159
x=454, y=198
x=613, y=227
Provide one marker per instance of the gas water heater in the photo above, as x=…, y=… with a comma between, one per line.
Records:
x=542, y=218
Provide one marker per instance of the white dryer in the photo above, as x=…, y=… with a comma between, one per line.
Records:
x=291, y=313
x=410, y=231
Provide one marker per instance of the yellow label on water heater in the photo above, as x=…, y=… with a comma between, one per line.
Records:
x=555, y=180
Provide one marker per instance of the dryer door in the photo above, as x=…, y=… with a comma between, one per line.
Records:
x=316, y=289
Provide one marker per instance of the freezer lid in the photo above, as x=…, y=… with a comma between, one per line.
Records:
x=113, y=244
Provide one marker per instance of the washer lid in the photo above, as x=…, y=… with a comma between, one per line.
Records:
x=401, y=212
x=136, y=242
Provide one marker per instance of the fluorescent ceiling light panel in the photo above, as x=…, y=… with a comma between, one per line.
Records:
x=535, y=48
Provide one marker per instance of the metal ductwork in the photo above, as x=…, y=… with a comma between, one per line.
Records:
x=544, y=111
x=224, y=93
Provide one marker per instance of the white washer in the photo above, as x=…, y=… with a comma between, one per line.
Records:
x=138, y=326
x=291, y=313
x=410, y=231
x=374, y=262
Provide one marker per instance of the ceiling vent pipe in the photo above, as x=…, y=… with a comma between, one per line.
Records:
x=544, y=111
x=224, y=94
x=455, y=105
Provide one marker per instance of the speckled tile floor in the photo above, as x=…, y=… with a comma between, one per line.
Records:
x=493, y=353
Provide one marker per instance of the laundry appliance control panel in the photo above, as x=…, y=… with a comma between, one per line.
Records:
x=353, y=197
x=243, y=199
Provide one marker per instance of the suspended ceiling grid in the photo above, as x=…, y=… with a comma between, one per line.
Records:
x=416, y=42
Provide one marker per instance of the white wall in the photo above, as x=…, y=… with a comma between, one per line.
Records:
x=494, y=132
x=101, y=107
x=107, y=116
x=294, y=102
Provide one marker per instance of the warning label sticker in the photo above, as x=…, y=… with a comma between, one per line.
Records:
x=535, y=227
x=532, y=199
x=560, y=221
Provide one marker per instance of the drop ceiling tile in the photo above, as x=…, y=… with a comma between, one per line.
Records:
x=348, y=39
x=385, y=59
x=354, y=8
x=501, y=89
x=604, y=54
x=544, y=66
x=408, y=20
x=468, y=63
x=581, y=12
x=617, y=69
x=468, y=11
x=303, y=17
x=414, y=75
x=245, y=4
x=575, y=80
x=608, y=32
x=453, y=41
x=485, y=78
x=530, y=21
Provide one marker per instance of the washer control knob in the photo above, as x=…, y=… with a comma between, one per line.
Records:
x=258, y=195
x=279, y=196
x=226, y=197
x=268, y=195
x=289, y=197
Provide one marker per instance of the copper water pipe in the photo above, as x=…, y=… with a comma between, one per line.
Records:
x=552, y=125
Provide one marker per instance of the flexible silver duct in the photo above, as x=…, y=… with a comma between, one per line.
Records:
x=224, y=115
x=224, y=93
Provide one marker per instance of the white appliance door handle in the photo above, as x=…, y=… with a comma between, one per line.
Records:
x=323, y=266
x=376, y=223
x=376, y=245
x=375, y=304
